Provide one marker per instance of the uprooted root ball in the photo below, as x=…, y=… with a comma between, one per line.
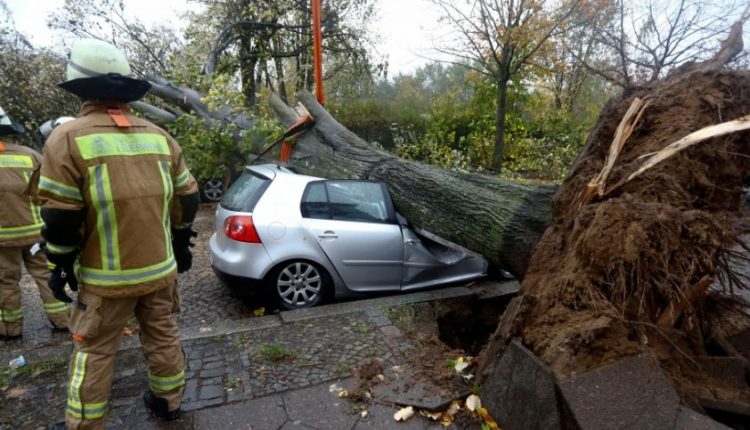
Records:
x=643, y=268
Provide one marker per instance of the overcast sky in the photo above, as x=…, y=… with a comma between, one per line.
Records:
x=406, y=27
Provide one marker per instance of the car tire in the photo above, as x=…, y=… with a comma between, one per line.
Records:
x=298, y=284
x=212, y=190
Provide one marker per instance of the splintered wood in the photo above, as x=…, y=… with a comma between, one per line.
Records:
x=596, y=186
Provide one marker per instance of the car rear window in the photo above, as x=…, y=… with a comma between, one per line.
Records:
x=245, y=192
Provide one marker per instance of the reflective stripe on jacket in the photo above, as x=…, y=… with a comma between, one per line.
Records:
x=125, y=179
x=20, y=222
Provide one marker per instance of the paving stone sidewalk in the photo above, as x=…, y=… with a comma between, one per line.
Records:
x=264, y=369
x=205, y=300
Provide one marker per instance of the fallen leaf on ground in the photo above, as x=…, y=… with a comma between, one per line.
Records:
x=343, y=393
x=16, y=392
x=334, y=388
x=460, y=365
x=431, y=415
x=129, y=331
x=473, y=402
x=259, y=312
x=363, y=414
x=404, y=414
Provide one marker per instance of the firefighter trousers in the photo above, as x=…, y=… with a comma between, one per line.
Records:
x=11, y=313
x=97, y=325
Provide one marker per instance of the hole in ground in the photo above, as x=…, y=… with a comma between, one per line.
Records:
x=467, y=322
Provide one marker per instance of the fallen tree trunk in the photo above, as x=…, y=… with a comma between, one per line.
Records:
x=500, y=219
x=497, y=218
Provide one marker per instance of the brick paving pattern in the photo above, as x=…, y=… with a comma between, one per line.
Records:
x=221, y=369
x=205, y=299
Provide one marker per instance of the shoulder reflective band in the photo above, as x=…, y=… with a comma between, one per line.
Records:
x=166, y=383
x=106, y=219
x=120, y=278
x=16, y=161
x=59, y=189
x=7, y=233
x=112, y=144
x=182, y=179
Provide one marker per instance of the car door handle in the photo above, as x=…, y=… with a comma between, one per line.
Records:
x=328, y=235
x=411, y=241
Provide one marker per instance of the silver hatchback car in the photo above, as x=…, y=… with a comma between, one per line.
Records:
x=302, y=240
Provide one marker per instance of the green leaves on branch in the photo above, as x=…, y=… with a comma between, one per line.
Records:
x=215, y=148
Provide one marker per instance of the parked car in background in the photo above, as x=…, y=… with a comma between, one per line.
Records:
x=211, y=190
x=303, y=240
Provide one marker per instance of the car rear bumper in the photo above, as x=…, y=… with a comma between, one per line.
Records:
x=238, y=259
x=239, y=283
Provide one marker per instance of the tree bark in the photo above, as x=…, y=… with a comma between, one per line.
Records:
x=502, y=102
x=500, y=219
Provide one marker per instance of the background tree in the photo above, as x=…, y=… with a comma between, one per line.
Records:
x=500, y=39
x=27, y=81
x=269, y=43
x=150, y=49
x=641, y=41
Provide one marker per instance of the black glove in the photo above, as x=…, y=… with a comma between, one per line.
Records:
x=181, y=246
x=62, y=273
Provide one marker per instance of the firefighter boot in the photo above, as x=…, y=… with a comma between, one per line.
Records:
x=159, y=406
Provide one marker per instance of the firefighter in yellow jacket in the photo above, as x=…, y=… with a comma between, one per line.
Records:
x=20, y=224
x=118, y=202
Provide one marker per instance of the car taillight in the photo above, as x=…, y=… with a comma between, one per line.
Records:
x=241, y=228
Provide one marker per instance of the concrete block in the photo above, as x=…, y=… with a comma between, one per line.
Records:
x=631, y=394
x=520, y=391
x=688, y=419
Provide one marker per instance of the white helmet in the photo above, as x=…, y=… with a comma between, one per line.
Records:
x=7, y=126
x=48, y=126
x=91, y=57
x=97, y=70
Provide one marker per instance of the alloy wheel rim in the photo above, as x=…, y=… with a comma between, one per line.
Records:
x=213, y=189
x=299, y=284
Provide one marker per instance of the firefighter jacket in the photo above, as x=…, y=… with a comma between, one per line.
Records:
x=20, y=222
x=123, y=172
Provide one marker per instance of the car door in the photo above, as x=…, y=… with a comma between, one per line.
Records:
x=354, y=223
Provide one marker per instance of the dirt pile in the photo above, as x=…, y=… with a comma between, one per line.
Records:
x=652, y=266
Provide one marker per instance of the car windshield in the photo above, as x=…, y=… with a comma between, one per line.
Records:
x=245, y=192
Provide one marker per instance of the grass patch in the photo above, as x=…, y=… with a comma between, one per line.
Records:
x=406, y=316
x=54, y=364
x=344, y=368
x=231, y=384
x=277, y=353
x=361, y=328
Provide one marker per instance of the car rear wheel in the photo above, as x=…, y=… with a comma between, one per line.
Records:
x=212, y=190
x=299, y=284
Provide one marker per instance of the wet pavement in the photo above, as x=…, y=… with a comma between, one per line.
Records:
x=282, y=363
